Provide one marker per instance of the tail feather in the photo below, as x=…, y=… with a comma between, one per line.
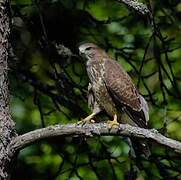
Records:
x=140, y=147
x=145, y=109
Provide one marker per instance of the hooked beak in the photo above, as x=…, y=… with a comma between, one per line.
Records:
x=81, y=52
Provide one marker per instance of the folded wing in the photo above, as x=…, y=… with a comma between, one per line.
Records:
x=124, y=93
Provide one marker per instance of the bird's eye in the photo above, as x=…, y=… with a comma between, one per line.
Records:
x=88, y=48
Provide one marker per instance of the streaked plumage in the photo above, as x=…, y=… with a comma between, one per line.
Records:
x=111, y=88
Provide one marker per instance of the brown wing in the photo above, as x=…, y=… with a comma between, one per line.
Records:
x=123, y=91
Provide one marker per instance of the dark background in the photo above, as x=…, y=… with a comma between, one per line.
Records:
x=48, y=84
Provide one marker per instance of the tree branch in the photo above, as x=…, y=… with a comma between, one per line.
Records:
x=99, y=129
x=137, y=6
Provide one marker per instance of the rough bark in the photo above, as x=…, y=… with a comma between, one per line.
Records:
x=137, y=6
x=6, y=124
x=96, y=129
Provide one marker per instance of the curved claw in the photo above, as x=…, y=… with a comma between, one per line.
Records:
x=113, y=122
x=88, y=119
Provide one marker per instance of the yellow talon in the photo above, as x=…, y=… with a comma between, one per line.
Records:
x=88, y=119
x=114, y=121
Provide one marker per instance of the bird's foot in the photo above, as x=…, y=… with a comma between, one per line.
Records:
x=114, y=122
x=88, y=119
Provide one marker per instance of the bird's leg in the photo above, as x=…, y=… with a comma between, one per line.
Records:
x=114, y=121
x=88, y=119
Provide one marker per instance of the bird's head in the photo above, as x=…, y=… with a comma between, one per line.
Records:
x=88, y=50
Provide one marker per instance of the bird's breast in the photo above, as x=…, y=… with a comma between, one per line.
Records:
x=93, y=70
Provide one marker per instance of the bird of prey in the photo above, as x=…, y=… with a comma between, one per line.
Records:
x=111, y=89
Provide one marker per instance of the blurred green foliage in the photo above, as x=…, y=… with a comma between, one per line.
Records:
x=48, y=88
